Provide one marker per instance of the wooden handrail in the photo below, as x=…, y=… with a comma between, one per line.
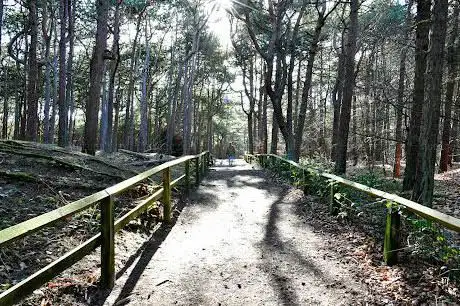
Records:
x=447, y=221
x=424, y=211
x=30, y=226
x=108, y=225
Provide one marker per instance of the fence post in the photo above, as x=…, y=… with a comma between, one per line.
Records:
x=107, y=243
x=391, y=241
x=167, y=195
x=187, y=175
x=333, y=209
x=197, y=171
x=304, y=181
x=205, y=163
x=203, y=160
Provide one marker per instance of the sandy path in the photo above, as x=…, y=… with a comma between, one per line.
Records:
x=239, y=242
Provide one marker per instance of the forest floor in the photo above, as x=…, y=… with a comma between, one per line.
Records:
x=223, y=249
x=446, y=187
x=37, y=178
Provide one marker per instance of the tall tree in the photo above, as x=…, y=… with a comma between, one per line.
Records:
x=47, y=33
x=96, y=70
x=312, y=51
x=348, y=87
x=143, y=129
x=33, y=70
x=424, y=181
x=336, y=95
x=110, y=142
x=1, y=23
x=421, y=47
x=129, y=117
x=452, y=72
x=70, y=88
x=401, y=86
x=273, y=51
x=63, y=109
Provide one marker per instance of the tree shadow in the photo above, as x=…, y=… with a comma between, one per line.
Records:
x=145, y=254
x=233, y=177
x=274, y=246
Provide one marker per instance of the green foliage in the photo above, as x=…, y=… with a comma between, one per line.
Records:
x=378, y=181
x=382, y=20
x=321, y=163
x=429, y=240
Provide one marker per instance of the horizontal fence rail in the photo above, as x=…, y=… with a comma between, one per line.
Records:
x=393, y=218
x=106, y=237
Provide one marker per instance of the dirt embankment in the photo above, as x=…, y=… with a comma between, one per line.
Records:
x=37, y=178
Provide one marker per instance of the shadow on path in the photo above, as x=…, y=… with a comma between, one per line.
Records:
x=275, y=250
x=145, y=253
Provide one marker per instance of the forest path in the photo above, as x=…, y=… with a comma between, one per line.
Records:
x=240, y=241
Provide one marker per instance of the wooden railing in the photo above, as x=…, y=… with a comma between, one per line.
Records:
x=109, y=226
x=392, y=227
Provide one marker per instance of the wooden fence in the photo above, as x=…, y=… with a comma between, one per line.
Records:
x=392, y=227
x=109, y=226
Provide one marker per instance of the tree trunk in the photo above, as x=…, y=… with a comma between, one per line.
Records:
x=5, y=103
x=313, y=49
x=188, y=97
x=400, y=102
x=47, y=106
x=453, y=56
x=264, y=123
x=424, y=181
x=32, y=87
x=17, y=116
x=348, y=86
x=63, y=109
x=70, y=101
x=297, y=93
x=1, y=23
x=55, y=99
x=250, y=127
x=337, y=101
x=354, y=145
x=455, y=147
x=5, y=98
x=111, y=141
x=129, y=122
x=119, y=98
x=251, y=97
x=104, y=110
x=96, y=70
x=274, y=143
x=421, y=47
x=143, y=129
x=24, y=95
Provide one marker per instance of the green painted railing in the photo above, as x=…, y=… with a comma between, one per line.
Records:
x=392, y=228
x=109, y=226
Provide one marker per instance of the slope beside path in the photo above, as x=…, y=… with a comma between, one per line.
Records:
x=240, y=241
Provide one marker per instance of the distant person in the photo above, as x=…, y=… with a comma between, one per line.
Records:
x=231, y=152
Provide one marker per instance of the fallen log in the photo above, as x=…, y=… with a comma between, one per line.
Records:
x=22, y=145
x=20, y=176
x=148, y=156
x=60, y=162
x=149, y=163
x=135, y=154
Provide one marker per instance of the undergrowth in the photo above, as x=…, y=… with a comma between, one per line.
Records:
x=420, y=238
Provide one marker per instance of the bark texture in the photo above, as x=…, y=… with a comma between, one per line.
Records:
x=96, y=70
